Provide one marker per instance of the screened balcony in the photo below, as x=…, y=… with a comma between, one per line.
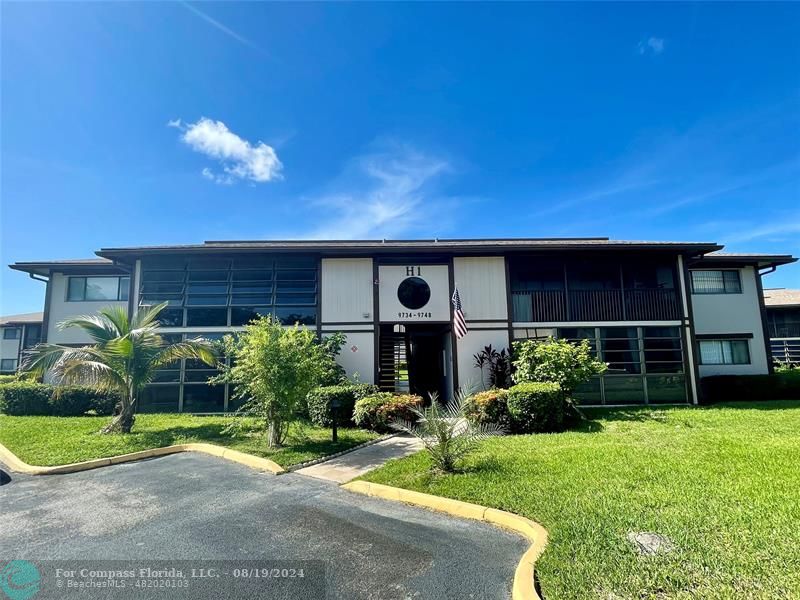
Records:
x=544, y=291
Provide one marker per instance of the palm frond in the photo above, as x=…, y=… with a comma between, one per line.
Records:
x=197, y=349
x=42, y=357
x=147, y=316
x=117, y=316
x=96, y=326
x=445, y=432
x=89, y=372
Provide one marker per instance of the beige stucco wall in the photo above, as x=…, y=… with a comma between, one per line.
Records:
x=481, y=283
x=347, y=290
x=60, y=309
x=733, y=313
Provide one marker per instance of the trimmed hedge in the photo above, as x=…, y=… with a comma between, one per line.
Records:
x=24, y=398
x=75, y=401
x=490, y=406
x=321, y=399
x=538, y=407
x=378, y=410
x=750, y=388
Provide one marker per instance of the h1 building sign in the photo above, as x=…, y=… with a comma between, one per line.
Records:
x=414, y=293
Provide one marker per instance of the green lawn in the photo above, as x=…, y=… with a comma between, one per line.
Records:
x=722, y=482
x=59, y=440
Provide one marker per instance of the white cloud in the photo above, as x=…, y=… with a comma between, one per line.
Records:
x=386, y=194
x=654, y=45
x=216, y=178
x=239, y=158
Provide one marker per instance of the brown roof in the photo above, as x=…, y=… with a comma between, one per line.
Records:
x=781, y=297
x=748, y=258
x=425, y=245
x=34, y=317
x=43, y=267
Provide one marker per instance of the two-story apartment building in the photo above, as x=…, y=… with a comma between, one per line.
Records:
x=783, y=324
x=661, y=314
x=18, y=333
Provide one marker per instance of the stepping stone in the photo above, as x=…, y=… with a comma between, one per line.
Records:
x=650, y=543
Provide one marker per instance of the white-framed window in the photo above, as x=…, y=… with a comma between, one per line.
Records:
x=724, y=352
x=11, y=333
x=88, y=289
x=716, y=281
x=8, y=365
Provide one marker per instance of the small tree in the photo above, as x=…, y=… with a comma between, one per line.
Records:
x=559, y=361
x=333, y=372
x=273, y=368
x=124, y=358
x=498, y=363
x=445, y=432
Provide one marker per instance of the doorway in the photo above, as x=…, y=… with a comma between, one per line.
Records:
x=416, y=359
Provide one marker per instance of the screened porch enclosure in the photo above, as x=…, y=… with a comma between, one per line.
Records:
x=646, y=365
x=546, y=290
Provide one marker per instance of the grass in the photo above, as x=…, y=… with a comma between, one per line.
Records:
x=722, y=482
x=59, y=440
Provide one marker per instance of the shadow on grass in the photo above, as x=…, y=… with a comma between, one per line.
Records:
x=211, y=432
x=754, y=405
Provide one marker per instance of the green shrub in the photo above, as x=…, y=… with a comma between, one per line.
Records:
x=24, y=398
x=538, y=406
x=559, y=361
x=376, y=411
x=4, y=379
x=74, y=401
x=749, y=388
x=320, y=400
x=490, y=406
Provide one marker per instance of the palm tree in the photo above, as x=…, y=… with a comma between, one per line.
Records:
x=124, y=357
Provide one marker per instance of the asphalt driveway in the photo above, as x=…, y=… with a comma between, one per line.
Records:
x=190, y=507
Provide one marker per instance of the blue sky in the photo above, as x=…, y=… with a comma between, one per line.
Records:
x=151, y=123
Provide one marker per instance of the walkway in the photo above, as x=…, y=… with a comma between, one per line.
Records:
x=354, y=464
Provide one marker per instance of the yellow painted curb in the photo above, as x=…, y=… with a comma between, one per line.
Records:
x=523, y=587
x=255, y=462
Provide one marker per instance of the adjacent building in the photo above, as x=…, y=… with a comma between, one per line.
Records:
x=783, y=324
x=17, y=333
x=661, y=314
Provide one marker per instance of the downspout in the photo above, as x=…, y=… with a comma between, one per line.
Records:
x=763, y=308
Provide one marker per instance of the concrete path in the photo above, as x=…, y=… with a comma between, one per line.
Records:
x=346, y=467
x=191, y=511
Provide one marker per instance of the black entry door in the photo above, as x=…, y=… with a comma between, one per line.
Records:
x=426, y=360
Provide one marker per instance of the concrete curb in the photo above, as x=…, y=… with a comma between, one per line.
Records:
x=255, y=462
x=523, y=587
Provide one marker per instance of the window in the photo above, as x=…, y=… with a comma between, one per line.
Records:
x=33, y=335
x=221, y=292
x=8, y=365
x=724, y=352
x=92, y=289
x=716, y=282
x=10, y=333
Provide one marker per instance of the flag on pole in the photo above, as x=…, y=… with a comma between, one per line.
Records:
x=459, y=324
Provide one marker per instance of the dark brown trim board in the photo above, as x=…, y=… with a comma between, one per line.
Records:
x=453, y=339
x=695, y=366
x=724, y=336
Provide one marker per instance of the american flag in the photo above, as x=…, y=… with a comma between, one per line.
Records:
x=459, y=324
